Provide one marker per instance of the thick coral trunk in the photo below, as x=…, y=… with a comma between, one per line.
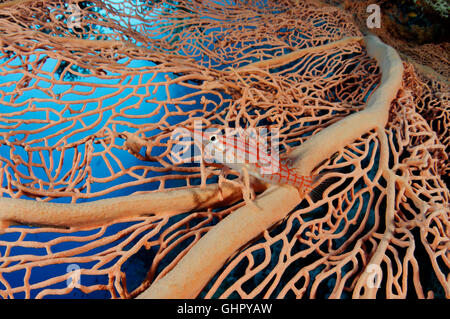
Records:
x=99, y=212
x=322, y=145
x=200, y=264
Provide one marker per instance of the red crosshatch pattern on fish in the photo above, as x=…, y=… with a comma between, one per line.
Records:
x=240, y=150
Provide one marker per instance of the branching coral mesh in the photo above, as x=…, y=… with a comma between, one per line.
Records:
x=95, y=204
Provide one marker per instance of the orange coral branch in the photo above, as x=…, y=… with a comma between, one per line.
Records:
x=362, y=289
x=287, y=58
x=325, y=143
x=197, y=267
x=12, y=3
x=165, y=203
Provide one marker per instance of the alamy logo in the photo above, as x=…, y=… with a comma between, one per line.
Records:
x=374, y=276
x=374, y=19
x=73, y=281
x=74, y=20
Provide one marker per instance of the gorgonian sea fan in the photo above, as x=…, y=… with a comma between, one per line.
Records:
x=92, y=204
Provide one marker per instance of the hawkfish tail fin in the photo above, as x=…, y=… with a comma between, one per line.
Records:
x=320, y=183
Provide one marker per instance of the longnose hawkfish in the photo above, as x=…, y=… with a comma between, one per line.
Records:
x=250, y=155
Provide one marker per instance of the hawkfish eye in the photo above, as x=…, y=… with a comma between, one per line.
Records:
x=213, y=138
